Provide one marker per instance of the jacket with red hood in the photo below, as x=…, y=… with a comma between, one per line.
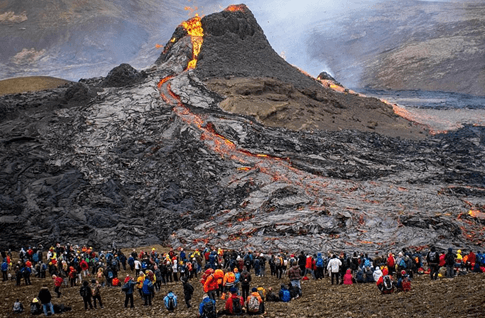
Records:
x=348, y=277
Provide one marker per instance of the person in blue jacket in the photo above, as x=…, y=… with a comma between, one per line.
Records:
x=170, y=301
x=207, y=307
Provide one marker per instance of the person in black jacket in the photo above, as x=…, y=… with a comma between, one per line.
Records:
x=245, y=282
x=188, y=291
x=450, y=263
x=86, y=294
x=45, y=299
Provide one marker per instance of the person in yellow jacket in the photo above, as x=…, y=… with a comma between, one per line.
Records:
x=228, y=282
x=139, y=284
x=458, y=260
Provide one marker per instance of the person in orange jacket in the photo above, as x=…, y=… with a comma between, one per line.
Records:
x=228, y=282
x=254, y=303
x=211, y=286
x=219, y=275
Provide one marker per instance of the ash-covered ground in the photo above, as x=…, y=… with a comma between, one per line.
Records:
x=126, y=159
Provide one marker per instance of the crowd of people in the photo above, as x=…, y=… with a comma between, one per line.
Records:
x=222, y=274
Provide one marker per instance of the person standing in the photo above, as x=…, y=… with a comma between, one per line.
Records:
x=294, y=274
x=433, y=262
x=57, y=284
x=450, y=263
x=45, y=299
x=334, y=268
x=86, y=293
x=147, y=290
x=96, y=289
x=129, y=288
x=188, y=291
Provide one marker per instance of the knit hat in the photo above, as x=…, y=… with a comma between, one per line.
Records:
x=233, y=290
x=254, y=289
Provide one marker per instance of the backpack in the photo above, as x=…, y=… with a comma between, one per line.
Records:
x=17, y=307
x=433, y=257
x=387, y=283
x=110, y=274
x=209, y=310
x=277, y=261
x=84, y=292
x=171, y=303
x=253, y=304
x=286, y=296
x=262, y=292
x=402, y=263
x=236, y=306
x=125, y=287
x=366, y=263
x=43, y=267
x=319, y=262
x=4, y=267
x=450, y=259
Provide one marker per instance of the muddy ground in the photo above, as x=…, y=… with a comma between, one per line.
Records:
x=462, y=296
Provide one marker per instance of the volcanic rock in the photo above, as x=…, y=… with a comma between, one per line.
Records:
x=123, y=75
x=160, y=160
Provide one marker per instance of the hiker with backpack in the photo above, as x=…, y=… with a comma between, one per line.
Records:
x=278, y=263
x=385, y=283
x=450, y=263
x=96, y=291
x=254, y=303
x=319, y=264
x=170, y=301
x=433, y=263
x=294, y=274
x=207, y=308
x=86, y=293
x=18, y=308
x=245, y=282
x=188, y=291
x=148, y=291
x=284, y=294
x=128, y=288
x=234, y=304
x=57, y=284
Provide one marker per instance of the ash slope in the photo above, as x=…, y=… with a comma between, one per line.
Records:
x=97, y=164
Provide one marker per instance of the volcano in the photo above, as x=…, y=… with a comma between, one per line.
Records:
x=222, y=142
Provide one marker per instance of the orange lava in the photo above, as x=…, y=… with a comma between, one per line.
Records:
x=196, y=32
x=233, y=8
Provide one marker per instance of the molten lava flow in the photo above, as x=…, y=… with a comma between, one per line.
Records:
x=194, y=29
x=233, y=8
x=476, y=214
x=158, y=46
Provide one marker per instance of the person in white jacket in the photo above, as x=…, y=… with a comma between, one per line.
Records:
x=377, y=273
x=333, y=267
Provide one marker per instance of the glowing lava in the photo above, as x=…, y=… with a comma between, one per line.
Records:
x=196, y=32
x=234, y=8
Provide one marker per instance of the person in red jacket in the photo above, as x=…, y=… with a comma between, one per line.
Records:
x=85, y=267
x=472, y=258
x=234, y=304
x=57, y=284
x=348, y=279
x=391, y=263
